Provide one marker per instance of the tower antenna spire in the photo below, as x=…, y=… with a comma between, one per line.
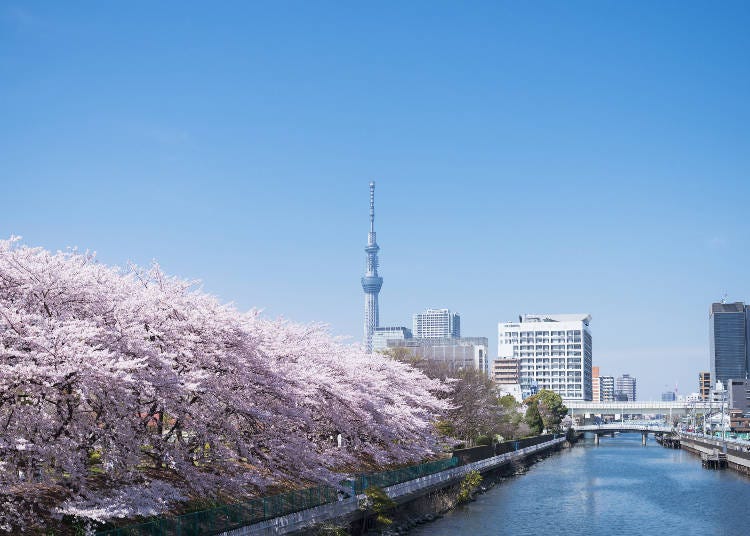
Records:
x=372, y=206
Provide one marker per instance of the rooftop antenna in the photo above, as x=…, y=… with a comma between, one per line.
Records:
x=372, y=206
x=724, y=298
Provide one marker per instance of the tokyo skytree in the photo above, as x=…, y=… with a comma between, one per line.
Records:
x=371, y=282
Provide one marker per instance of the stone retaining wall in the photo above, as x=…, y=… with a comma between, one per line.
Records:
x=347, y=510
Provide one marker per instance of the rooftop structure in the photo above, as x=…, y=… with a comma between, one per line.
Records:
x=576, y=317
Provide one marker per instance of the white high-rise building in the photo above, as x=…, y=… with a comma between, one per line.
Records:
x=555, y=353
x=437, y=324
x=607, y=388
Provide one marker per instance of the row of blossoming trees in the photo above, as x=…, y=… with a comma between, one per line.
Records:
x=122, y=391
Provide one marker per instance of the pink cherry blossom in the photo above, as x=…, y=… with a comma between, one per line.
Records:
x=125, y=390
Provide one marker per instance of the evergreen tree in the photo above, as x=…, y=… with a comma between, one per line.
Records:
x=534, y=419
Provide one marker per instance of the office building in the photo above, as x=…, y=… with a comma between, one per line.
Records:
x=625, y=385
x=371, y=282
x=383, y=334
x=668, y=396
x=607, y=387
x=738, y=423
x=728, y=337
x=454, y=353
x=437, y=324
x=596, y=388
x=506, y=371
x=704, y=384
x=719, y=394
x=555, y=352
x=621, y=396
x=737, y=390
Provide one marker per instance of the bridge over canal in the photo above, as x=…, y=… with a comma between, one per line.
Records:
x=611, y=428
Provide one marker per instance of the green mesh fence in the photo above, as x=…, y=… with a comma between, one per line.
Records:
x=389, y=478
x=232, y=516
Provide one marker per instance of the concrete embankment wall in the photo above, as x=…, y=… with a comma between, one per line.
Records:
x=475, y=454
x=737, y=459
x=347, y=510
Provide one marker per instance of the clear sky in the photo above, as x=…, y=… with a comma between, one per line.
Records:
x=536, y=157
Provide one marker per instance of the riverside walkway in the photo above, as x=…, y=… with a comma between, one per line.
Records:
x=736, y=452
x=348, y=509
x=300, y=509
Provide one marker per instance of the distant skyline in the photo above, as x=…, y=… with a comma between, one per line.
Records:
x=529, y=158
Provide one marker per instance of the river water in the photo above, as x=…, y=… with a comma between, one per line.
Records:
x=617, y=488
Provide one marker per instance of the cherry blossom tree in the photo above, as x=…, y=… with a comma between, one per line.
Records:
x=124, y=391
x=475, y=408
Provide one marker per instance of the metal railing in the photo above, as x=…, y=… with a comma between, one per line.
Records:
x=232, y=516
x=739, y=444
x=642, y=427
x=486, y=464
x=655, y=406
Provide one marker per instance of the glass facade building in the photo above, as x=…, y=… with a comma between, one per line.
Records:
x=454, y=353
x=728, y=328
x=383, y=334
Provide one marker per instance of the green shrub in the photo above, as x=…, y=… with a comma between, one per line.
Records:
x=380, y=503
x=332, y=530
x=468, y=485
x=484, y=440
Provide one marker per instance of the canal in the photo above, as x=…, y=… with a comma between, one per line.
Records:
x=617, y=488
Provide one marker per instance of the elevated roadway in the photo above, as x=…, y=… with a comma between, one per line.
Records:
x=625, y=427
x=639, y=407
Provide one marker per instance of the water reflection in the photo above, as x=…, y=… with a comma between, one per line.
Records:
x=617, y=488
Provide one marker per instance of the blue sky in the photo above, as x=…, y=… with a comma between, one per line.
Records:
x=529, y=158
